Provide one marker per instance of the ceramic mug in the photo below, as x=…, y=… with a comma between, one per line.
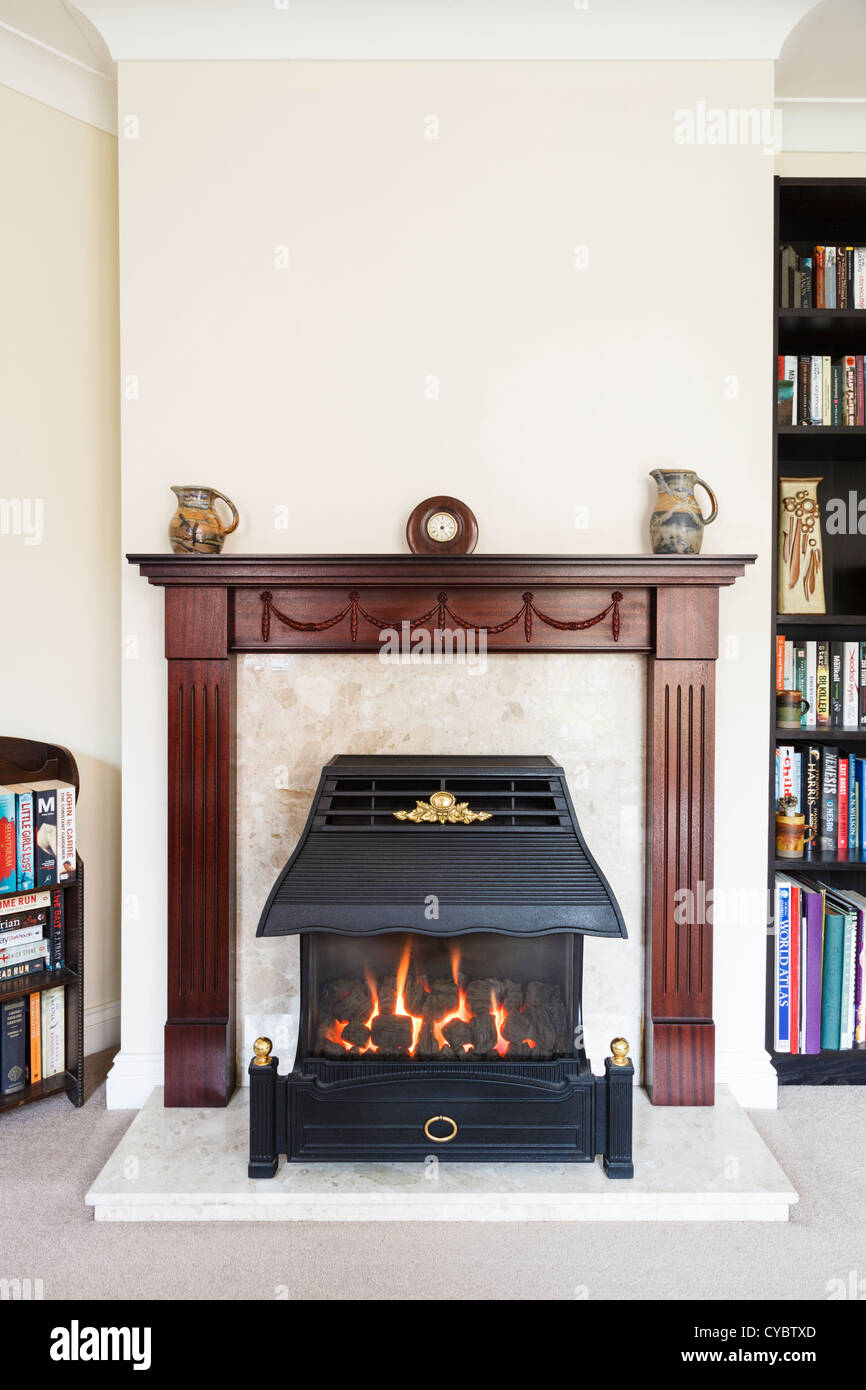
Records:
x=790, y=706
x=792, y=836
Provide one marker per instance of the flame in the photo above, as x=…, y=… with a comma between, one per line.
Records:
x=500, y=1014
x=400, y=1003
x=335, y=1033
x=368, y=1023
x=462, y=1011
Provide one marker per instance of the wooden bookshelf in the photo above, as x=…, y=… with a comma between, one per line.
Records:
x=22, y=760
x=811, y=212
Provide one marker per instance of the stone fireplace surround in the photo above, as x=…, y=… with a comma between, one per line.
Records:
x=663, y=607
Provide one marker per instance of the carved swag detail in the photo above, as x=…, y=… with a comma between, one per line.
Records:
x=438, y=613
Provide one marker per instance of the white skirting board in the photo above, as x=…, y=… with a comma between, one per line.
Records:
x=691, y=1164
x=101, y=1027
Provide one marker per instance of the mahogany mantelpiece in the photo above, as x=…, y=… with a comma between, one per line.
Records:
x=666, y=606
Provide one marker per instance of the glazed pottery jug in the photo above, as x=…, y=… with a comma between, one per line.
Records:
x=195, y=528
x=677, y=523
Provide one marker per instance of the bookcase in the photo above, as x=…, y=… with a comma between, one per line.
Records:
x=22, y=760
x=813, y=212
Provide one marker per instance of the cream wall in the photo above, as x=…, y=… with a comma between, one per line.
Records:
x=59, y=451
x=504, y=281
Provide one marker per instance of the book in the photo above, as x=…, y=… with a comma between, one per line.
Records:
x=27, y=926
x=858, y=903
x=25, y=950
x=853, y=825
x=812, y=794
x=860, y=801
x=24, y=837
x=826, y=391
x=841, y=278
x=788, y=271
x=786, y=770
x=780, y=663
x=13, y=1047
x=838, y=390
x=811, y=684
x=22, y=902
x=806, y=282
x=785, y=389
x=849, y=408
x=53, y=1023
x=794, y=1029
x=45, y=816
x=850, y=686
x=23, y=967
x=830, y=277
x=818, y=286
x=800, y=674
x=8, y=845
x=56, y=932
x=35, y=1020
x=822, y=698
x=836, y=656
x=816, y=392
x=789, y=664
x=782, y=1024
x=831, y=984
x=842, y=804
x=804, y=390
x=812, y=951
x=66, y=847
x=862, y=685
x=861, y=402
x=859, y=277
x=828, y=832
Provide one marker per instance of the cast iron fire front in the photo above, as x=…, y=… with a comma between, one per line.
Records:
x=441, y=905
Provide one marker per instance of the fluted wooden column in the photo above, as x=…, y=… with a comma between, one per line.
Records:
x=680, y=785
x=199, y=1042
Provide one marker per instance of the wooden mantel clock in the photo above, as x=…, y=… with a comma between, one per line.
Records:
x=442, y=526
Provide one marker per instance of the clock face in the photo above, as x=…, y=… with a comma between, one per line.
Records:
x=442, y=526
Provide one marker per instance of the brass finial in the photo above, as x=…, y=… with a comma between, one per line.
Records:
x=619, y=1048
x=262, y=1047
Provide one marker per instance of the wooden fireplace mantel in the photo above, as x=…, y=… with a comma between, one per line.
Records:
x=216, y=606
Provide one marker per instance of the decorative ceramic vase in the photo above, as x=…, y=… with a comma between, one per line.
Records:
x=801, y=551
x=195, y=528
x=677, y=523
x=790, y=708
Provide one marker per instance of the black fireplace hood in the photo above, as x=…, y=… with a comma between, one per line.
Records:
x=378, y=855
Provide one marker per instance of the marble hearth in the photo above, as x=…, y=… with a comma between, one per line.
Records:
x=691, y=1164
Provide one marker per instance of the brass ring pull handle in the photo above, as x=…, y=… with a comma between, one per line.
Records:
x=440, y=1138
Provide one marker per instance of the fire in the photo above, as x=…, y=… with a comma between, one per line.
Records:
x=400, y=1003
x=500, y=1014
x=498, y=1011
x=335, y=1033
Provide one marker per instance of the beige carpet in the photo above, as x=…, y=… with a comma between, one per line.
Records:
x=50, y=1154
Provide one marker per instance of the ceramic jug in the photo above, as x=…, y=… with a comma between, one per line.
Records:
x=677, y=523
x=195, y=527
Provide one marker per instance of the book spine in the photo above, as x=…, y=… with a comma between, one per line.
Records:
x=826, y=391
x=851, y=693
x=782, y=1040
x=863, y=685
x=794, y=992
x=57, y=934
x=818, y=264
x=25, y=950
x=798, y=782
x=24, y=967
x=853, y=819
x=823, y=685
x=46, y=836
x=845, y=1035
x=841, y=279
x=26, y=878
x=22, y=930
x=850, y=398
x=837, y=650
x=842, y=813
x=800, y=675
x=816, y=389
x=829, y=800
x=53, y=1046
x=806, y=282
x=21, y=902
x=780, y=663
x=860, y=277
x=812, y=807
x=13, y=1047
x=812, y=684
x=790, y=374
x=861, y=398
x=831, y=993
x=804, y=390
x=830, y=276
x=860, y=981
x=838, y=391
x=789, y=665
x=8, y=846
x=66, y=833
x=35, y=1012
x=849, y=276
x=786, y=770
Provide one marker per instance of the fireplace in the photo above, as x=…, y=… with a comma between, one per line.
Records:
x=442, y=905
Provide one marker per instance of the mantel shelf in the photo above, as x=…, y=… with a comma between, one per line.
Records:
x=234, y=571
